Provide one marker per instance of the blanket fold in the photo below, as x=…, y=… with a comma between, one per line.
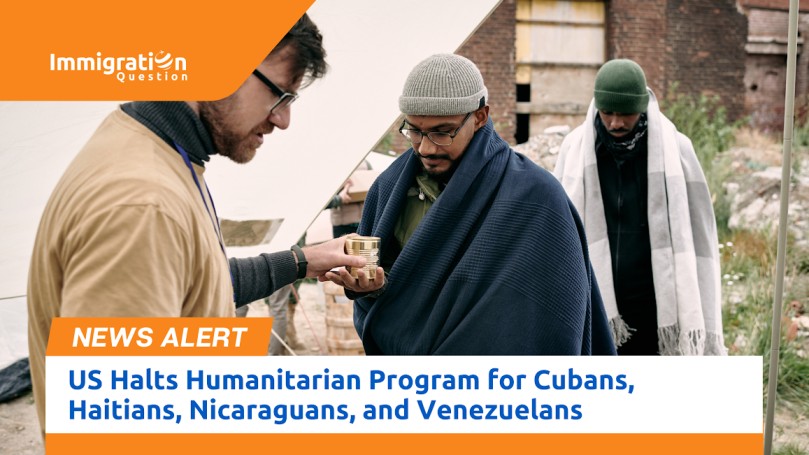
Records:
x=498, y=265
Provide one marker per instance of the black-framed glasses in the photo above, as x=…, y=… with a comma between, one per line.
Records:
x=436, y=137
x=284, y=98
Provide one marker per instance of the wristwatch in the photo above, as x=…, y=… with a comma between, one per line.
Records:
x=302, y=263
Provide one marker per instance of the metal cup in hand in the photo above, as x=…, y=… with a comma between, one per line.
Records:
x=367, y=247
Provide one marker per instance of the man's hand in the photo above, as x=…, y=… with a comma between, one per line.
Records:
x=328, y=255
x=361, y=284
x=344, y=196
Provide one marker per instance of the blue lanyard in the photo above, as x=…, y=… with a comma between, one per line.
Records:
x=214, y=218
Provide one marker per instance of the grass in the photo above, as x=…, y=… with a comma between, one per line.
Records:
x=704, y=120
x=748, y=266
x=748, y=258
x=801, y=124
x=790, y=449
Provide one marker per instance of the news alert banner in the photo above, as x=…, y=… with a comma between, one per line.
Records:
x=147, y=385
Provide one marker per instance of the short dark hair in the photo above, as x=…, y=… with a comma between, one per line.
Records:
x=309, y=56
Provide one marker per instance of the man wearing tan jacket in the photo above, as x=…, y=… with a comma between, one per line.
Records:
x=131, y=228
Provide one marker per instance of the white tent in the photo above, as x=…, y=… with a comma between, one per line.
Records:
x=371, y=48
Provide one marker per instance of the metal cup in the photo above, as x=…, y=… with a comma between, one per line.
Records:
x=367, y=247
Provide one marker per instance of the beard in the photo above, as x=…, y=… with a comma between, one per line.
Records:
x=226, y=139
x=442, y=175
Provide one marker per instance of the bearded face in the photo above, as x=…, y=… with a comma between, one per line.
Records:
x=230, y=135
x=239, y=122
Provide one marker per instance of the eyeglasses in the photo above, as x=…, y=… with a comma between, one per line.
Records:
x=284, y=98
x=436, y=137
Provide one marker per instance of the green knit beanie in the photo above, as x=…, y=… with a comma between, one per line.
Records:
x=621, y=88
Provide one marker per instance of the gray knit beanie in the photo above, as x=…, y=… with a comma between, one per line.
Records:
x=621, y=88
x=443, y=84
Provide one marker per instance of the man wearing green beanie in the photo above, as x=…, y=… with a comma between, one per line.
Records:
x=482, y=250
x=647, y=212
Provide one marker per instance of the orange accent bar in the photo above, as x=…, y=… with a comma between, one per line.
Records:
x=159, y=336
x=171, y=50
x=407, y=444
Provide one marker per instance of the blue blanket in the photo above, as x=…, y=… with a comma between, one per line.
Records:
x=498, y=266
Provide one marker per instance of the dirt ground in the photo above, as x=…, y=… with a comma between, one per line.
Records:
x=310, y=319
x=19, y=428
x=791, y=427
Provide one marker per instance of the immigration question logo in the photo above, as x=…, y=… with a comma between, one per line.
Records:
x=150, y=67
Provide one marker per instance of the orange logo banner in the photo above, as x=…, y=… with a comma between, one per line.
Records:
x=159, y=336
x=144, y=50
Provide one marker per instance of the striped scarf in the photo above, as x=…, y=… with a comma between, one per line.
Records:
x=682, y=230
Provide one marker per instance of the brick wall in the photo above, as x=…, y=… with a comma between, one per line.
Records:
x=770, y=23
x=766, y=85
x=765, y=81
x=698, y=44
x=774, y=4
x=637, y=30
x=491, y=47
x=707, y=39
x=802, y=70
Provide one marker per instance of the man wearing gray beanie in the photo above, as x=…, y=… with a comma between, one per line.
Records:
x=482, y=251
x=649, y=220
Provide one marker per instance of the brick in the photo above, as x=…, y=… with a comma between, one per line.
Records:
x=698, y=44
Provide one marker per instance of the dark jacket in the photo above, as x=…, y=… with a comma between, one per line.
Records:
x=623, y=182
